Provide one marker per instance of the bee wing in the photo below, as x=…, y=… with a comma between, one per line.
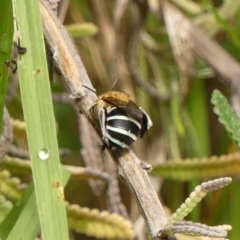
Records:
x=129, y=107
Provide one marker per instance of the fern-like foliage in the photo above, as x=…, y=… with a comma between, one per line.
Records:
x=82, y=30
x=83, y=220
x=199, y=168
x=10, y=186
x=98, y=224
x=197, y=195
x=226, y=115
x=176, y=224
x=5, y=207
x=16, y=165
x=198, y=229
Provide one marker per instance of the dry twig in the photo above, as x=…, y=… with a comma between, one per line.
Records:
x=91, y=151
x=113, y=191
x=209, y=50
x=130, y=166
x=132, y=56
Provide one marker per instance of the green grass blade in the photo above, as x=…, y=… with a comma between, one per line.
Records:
x=234, y=210
x=6, y=34
x=40, y=123
x=14, y=224
x=197, y=106
x=23, y=220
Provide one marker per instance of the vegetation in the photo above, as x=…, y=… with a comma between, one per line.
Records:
x=178, y=61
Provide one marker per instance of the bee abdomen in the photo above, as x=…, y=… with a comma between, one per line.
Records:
x=122, y=130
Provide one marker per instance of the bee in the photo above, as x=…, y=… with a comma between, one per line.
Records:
x=121, y=120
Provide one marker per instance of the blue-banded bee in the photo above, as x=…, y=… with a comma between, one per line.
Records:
x=121, y=120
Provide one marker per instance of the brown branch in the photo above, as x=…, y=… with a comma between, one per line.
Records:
x=19, y=152
x=226, y=67
x=86, y=173
x=208, y=49
x=12, y=87
x=133, y=63
x=16, y=151
x=19, y=165
x=134, y=172
x=113, y=191
x=181, y=45
x=222, y=62
x=91, y=151
x=63, y=10
x=187, y=227
x=61, y=98
x=130, y=166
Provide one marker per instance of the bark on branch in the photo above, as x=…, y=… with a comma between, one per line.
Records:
x=131, y=168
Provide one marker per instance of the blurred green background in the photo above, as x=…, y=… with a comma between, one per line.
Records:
x=129, y=40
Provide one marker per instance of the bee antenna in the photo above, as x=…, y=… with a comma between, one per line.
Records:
x=89, y=88
x=114, y=84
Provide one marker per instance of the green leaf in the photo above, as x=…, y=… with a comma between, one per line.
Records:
x=23, y=220
x=40, y=122
x=197, y=106
x=6, y=35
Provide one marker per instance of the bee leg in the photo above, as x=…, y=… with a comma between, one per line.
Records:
x=102, y=120
x=91, y=108
x=12, y=64
x=103, y=147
